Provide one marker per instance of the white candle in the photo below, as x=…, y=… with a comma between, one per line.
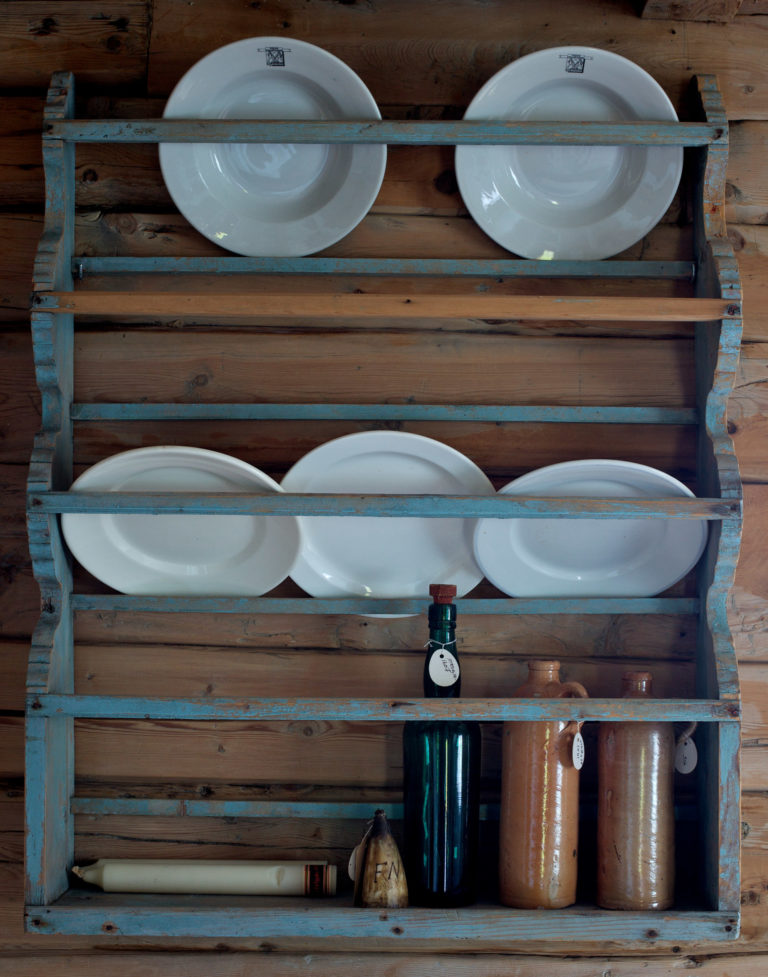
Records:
x=210, y=877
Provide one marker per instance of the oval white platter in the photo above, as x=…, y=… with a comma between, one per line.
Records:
x=181, y=554
x=382, y=556
x=590, y=557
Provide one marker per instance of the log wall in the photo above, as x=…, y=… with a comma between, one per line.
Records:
x=425, y=60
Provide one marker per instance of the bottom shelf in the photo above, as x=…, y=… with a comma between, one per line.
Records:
x=259, y=917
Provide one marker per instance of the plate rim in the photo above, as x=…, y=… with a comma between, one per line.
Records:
x=514, y=238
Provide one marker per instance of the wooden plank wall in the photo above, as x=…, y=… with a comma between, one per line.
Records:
x=425, y=60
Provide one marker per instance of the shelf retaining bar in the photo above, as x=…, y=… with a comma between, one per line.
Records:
x=423, y=506
x=393, y=132
x=507, y=413
x=382, y=710
x=451, y=267
x=382, y=605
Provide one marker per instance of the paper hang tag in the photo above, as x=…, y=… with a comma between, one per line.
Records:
x=443, y=666
x=577, y=751
x=686, y=755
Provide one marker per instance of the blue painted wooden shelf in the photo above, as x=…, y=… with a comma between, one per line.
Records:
x=52, y=801
x=337, y=920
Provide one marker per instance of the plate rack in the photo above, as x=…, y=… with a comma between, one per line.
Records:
x=54, y=905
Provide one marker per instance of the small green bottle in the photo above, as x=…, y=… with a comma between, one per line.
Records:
x=441, y=778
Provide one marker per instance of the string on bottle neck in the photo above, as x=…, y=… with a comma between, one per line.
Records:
x=434, y=645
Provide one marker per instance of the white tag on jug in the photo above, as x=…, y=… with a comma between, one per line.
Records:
x=686, y=755
x=578, y=751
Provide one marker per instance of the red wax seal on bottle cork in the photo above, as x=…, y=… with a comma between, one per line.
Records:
x=442, y=593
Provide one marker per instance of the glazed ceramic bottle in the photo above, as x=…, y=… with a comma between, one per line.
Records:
x=635, y=815
x=539, y=820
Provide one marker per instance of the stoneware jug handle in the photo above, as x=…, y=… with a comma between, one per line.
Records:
x=573, y=690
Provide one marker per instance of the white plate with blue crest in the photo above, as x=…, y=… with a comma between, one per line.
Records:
x=272, y=198
x=578, y=201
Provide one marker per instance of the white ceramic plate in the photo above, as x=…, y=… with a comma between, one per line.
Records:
x=272, y=199
x=590, y=557
x=380, y=556
x=181, y=554
x=577, y=202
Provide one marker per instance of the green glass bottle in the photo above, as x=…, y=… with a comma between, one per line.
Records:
x=441, y=778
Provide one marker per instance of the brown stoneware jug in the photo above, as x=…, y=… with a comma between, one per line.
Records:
x=635, y=814
x=539, y=820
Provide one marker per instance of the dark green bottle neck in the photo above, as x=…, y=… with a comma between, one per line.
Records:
x=442, y=642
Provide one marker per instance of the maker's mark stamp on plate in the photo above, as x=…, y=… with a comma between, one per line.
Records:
x=275, y=56
x=575, y=63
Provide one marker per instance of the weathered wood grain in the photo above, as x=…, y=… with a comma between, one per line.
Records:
x=105, y=44
x=750, y=244
x=302, y=753
x=746, y=412
x=14, y=656
x=748, y=613
x=524, y=447
x=754, y=690
x=238, y=306
x=746, y=193
x=194, y=671
x=271, y=964
x=494, y=367
x=718, y=11
x=207, y=375
x=452, y=50
x=592, y=635
x=747, y=616
x=13, y=500
x=347, y=755
x=389, y=661
x=19, y=594
x=380, y=234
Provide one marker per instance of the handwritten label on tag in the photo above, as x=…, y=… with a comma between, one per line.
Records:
x=686, y=755
x=443, y=668
x=578, y=751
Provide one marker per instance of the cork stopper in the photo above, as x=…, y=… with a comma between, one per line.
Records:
x=442, y=593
